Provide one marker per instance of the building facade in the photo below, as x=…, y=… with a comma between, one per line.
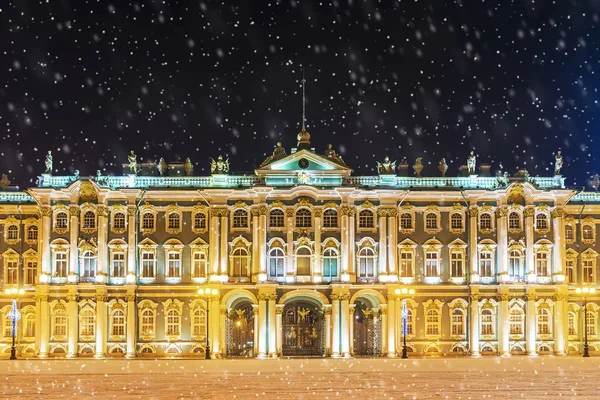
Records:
x=301, y=259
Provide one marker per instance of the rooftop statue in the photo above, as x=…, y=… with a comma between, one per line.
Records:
x=188, y=167
x=48, y=163
x=278, y=153
x=503, y=179
x=219, y=166
x=418, y=167
x=132, y=159
x=471, y=163
x=4, y=182
x=443, y=167
x=386, y=167
x=595, y=183
x=333, y=156
x=558, y=163
x=162, y=166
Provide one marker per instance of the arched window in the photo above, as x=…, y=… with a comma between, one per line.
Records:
x=541, y=221
x=431, y=221
x=432, y=322
x=173, y=323
x=366, y=263
x=516, y=321
x=148, y=221
x=119, y=220
x=240, y=262
x=12, y=233
x=485, y=221
x=543, y=321
x=569, y=233
x=487, y=322
x=199, y=264
x=406, y=221
x=240, y=218
x=88, y=322
x=330, y=218
x=458, y=322
x=32, y=233
x=366, y=219
x=515, y=264
x=61, y=220
x=456, y=221
x=174, y=221
x=277, y=263
x=514, y=221
x=59, y=323
x=330, y=264
x=303, y=256
x=303, y=218
x=409, y=321
x=276, y=218
x=147, y=323
x=572, y=323
x=199, y=322
x=587, y=232
x=590, y=323
x=200, y=221
x=88, y=264
x=89, y=220
x=118, y=323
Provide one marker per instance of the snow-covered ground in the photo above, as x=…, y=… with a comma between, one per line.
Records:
x=467, y=378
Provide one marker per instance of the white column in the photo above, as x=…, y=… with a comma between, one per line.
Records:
x=255, y=245
x=351, y=328
x=130, y=323
x=473, y=211
x=327, y=311
x=383, y=272
x=224, y=245
x=384, y=328
x=391, y=325
x=560, y=316
x=272, y=326
x=335, y=321
x=213, y=246
x=290, y=273
x=503, y=326
x=101, y=329
x=44, y=325
x=559, y=249
x=392, y=234
x=222, y=331
x=279, y=328
x=45, y=245
x=256, y=329
x=345, y=324
x=531, y=325
x=345, y=238
x=131, y=244
x=474, y=334
x=262, y=326
x=72, y=324
x=318, y=269
x=262, y=246
x=529, y=261
x=502, y=222
x=102, y=242
x=215, y=323
x=73, y=239
x=351, y=248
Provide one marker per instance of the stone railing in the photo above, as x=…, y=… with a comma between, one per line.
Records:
x=587, y=197
x=15, y=197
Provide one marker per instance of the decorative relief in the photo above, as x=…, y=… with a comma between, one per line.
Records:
x=102, y=211
x=318, y=213
x=502, y=212
x=558, y=213
x=303, y=202
x=367, y=204
x=289, y=213
x=329, y=204
x=46, y=211
x=529, y=211
x=277, y=204
x=473, y=212
x=240, y=204
x=87, y=192
x=74, y=211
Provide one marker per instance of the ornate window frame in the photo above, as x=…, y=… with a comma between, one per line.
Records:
x=240, y=243
x=432, y=246
x=200, y=247
x=28, y=314
x=589, y=256
x=301, y=244
x=60, y=208
x=516, y=246
x=173, y=247
x=432, y=209
x=144, y=210
x=408, y=209
x=407, y=247
x=457, y=209
x=197, y=211
x=571, y=257
x=118, y=209
x=30, y=256
x=84, y=307
x=588, y=222
x=329, y=207
x=55, y=306
x=367, y=243
x=518, y=210
x=519, y=306
x=592, y=309
x=545, y=331
x=60, y=246
x=462, y=306
x=113, y=306
x=282, y=216
x=197, y=328
x=29, y=224
x=83, y=226
x=280, y=245
x=543, y=246
x=311, y=218
x=433, y=306
x=84, y=247
x=364, y=207
x=573, y=310
x=488, y=210
x=542, y=210
x=238, y=207
x=487, y=246
x=117, y=246
x=459, y=248
x=11, y=259
x=173, y=213
x=12, y=222
x=150, y=306
x=332, y=245
x=147, y=246
x=488, y=305
x=569, y=221
x=175, y=306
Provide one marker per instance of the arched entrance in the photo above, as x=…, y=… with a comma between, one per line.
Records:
x=303, y=329
x=240, y=329
x=367, y=329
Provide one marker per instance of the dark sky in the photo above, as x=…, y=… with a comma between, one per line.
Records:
x=513, y=80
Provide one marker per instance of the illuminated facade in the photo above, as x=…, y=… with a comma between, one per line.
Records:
x=305, y=260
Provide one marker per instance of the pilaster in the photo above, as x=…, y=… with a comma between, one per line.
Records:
x=559, y=249
x=473, y=211
x=327, y=311
x=262, y=246
x=131, y=250
x=383, y=270
x=213, y=246
x=529, y=262
x=224, y=244
x=102, y=272
x=391, y=323
x=131, y=317
x=318, y=269
x=392, y=234
x=73, y=238
x=503, y=324
x=72, y=323
x=531, y=329
x=502, y=223
x=474, y=334
x=101, y=328
x=45, y=239
x=255, y=245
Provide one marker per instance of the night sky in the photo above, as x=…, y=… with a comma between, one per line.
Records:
x=513, y=80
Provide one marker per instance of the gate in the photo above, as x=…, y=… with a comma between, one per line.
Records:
x=303, y=330
x=367, y=331
x=240, y=331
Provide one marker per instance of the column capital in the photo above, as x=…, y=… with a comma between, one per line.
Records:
x=502, y=297
x=474, y=297
x=101, y=297
x=560, y=297
x=279, y=309
x=72, y=297
x=327, y=310
x=74, y=211
x=529, y=211
x=473, y=211
x=102, y=211
x=131, y=211
x=530, y=296
x=130, y=296
x=46, y=211
x=219, y=212
x=558, y=212
x=318, y=213
x=41, y=297
x=502, y=212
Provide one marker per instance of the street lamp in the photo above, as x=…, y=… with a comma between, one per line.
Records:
x=14, y=315
x=584, y=292
x=207, y=294
x=404, y=292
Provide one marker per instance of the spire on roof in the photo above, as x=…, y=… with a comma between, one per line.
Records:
x=303, y=136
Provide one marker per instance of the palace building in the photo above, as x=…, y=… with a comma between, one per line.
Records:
x=300, y=259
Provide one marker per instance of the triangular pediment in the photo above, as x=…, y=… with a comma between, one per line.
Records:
x=303, y=160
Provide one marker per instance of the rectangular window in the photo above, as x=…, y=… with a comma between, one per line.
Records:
x=60, y=266
x=118, y=323
x=174, y=265
x=12, y=272
x=330, y=267
x=148, y=262
x=457, y=264
x=457, y=323
x=570, y=271
x=516, y=323
x=29, y=326
x=31, y=272
x=60, y=324
x=588, y=270
x=486, y=264
x=118, y=267
x=571, y=324
x=487, y=321
x=541, y=263
x=406, y=264
x=431, y=264
x=199, y=265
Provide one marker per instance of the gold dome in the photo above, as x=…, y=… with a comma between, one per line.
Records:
x=303, y=137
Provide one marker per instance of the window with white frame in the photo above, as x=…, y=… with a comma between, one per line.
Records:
x=572, y=323
x=485, y=222
x=118, y=264
x=148, y=221
x=457, y=263
x=173, y=327
x=29, y=325
x=588, y=266
x=89, y=220
x=541, y=222
x=174, y=221
x=458, y=322
x=541, y=263
x=276, y=218
x=276, y=263
x=516, y=321
x=570, y=270
x=87, y=322
x=198, y=322
x=12, y=233
x=366, y=262
x=60, y=264
x=432, y=264
x=240, y=262
x=456, y=221
x=118, y=323
x=7, y=326
x=486, y=264
x=59, y=322
x=366, y=219
x=147, y=322
x=200, y=221
x=12, y=271
x=240, y=219
x=543, y=321
x=32, y=233
x=119, y=221
x=303, y=261
x=409, y=322
x=61, y=220
x=407, y=262
x=587, y=233
x=173, y=264
x=199, y=263
x=514, y=221
x=303, y=218
x=432, y=322
x=431, y=221
x=569, y=233
x=406, y=221
x=515, y=263
x=590, y=322
x=487, y=322
x=330, y=218
x=30, y=271
x=330, y=264
x=148, y=264
x=88, y=264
